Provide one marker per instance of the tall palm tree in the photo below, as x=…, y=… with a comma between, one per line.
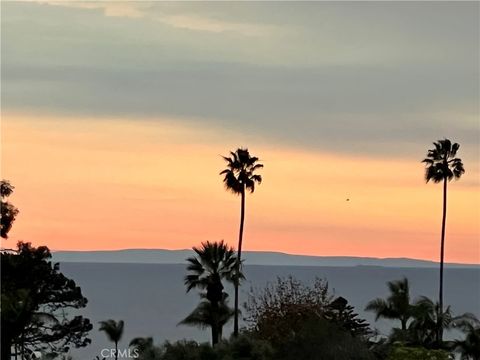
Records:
x=442, y=165
x=240, y=176
x=114, y=331
x=213, y=263
x=397, y=305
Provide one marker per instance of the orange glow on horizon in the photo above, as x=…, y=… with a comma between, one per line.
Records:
x=87, y=184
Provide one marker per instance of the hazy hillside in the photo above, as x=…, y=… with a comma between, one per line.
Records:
x=159, y=256
x=151, y=298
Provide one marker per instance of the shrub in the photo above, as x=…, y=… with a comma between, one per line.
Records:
x=417, y=353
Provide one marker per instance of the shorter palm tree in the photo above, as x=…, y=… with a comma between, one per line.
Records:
x=213, y=263
x=208, y=314
x=114, y=332
x=396, y=306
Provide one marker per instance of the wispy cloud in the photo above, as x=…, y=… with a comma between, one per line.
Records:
x=199, y=23
x=129, y=9
x=193, y=22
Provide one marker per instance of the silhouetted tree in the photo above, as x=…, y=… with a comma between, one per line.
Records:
x=427, y=319
x=114, y=332
x=442, y=165
x=35, y=296
x=469, y=348
x=302, y=322
x=8, y=211
x=145, y=349
x=213, y=263
x=340, y=312
x=401, y=352
x=210, y=314
x=397, y=305
x=320, y=339
x=240, y=176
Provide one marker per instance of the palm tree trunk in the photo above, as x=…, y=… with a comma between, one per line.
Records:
x=6, y=350
x=116, y=350
x=215, y=326
x=442, y=254
x=214, y=335
x=23, y=346
x=239, y=260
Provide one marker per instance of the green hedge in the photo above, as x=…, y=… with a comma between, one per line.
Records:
x=415, y=353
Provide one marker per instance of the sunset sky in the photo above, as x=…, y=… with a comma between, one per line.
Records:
x=114, y=117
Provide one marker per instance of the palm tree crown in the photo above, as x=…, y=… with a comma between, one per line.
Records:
x=441, y=163
x=240, y=171
x=212, y=263
x=113, y=329
x=396, y=306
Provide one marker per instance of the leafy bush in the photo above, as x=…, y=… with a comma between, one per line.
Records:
x=320, y=339
x=417, y=353
x=245, y=347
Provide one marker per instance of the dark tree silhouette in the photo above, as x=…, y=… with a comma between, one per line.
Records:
x=397, y=306
x=8, y=211
x=144, y=349
x=213, y=263
x=442, y=165
x=114, y=332
x=340, y=312
x=427, y=319
x=211, y=314
x=302, y=322
x=35, y=298
x=469, y=348
x=240, y=176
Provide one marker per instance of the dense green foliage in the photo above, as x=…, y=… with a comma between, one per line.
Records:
x=241, y=348
x=421, y=320
x=35, y=296
x=8, y=211
x=417, y=353
x=305, y=322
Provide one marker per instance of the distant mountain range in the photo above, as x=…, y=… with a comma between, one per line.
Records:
x=161, y=256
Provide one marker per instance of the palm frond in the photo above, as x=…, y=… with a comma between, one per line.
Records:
x=441, y=164
x=113, y=329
